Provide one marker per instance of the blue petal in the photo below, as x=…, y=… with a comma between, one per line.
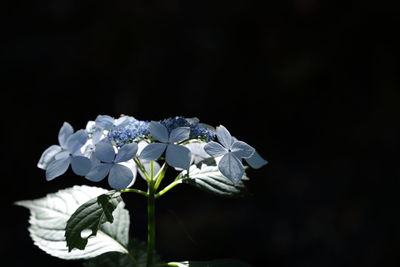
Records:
x=57, y=168
x=126, y=152
x=179, y=134
x=97, y=136
x=214, y=149
x=105, y=152
x=80, y=165
x=65, y=132
x=104, y=121
x=76, y=141
x=131, y=165
x=178, y=156
x=62, y=155
x=122, y=121
x=153, y=151
x=120, y=177
x=48, y=156
x=198, y=152
x=242, y=150
x=231, y=167
x=99, y=172
x=224, y=137
x=158, y=131
x=88, y=149
x=256, y=161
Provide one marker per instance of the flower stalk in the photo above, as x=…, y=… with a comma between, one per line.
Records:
x=151, y=226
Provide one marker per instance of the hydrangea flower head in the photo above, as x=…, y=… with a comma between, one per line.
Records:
x=118, y=148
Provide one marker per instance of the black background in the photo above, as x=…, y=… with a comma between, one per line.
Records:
x=310, y=84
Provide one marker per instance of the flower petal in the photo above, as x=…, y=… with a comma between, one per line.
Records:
x=80, y=165
x=153, y=151
x=131, y=165
x=57, y=168
x=198, y=152
x=214, y=149
x=104, y=121
x=87, y=149
x=231, y=167
x=242, y=150
x=179, y=134
x=90, y=126
x=105, y=152
x=256, y=161
x=224, y=137
x=126, y=152
x=122, y=121
x=65, y=132
x=141, y=145
x=62, y=155
x=99, y=172
x=158, y=131
x=97, y=136
x=76, y=141
x=48, y=156
x=178, y=156
x=120, y=177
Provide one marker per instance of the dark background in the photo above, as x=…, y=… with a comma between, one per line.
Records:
x=311, y=84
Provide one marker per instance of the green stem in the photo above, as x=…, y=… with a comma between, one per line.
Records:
x=133, y=260
x=141, y=168
x=160, y=176
x=175, y=264
x=151, y=227
x=168, y=187
x=137, y=191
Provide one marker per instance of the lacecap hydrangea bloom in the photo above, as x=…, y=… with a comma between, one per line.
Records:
x=118, y=148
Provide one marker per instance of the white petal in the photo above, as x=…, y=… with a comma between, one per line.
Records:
x=48, y=156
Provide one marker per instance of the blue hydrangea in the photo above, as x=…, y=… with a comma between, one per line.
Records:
x=109, y=146
x=232, y=152
x=131, y=131
x=197, y=130
x=57, y=158
x=173, y=123
x=175, y=155
x=120, y=173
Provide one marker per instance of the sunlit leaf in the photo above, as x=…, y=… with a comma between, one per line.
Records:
x=206, y=176
x=49, y=216
x=213, y=263
x=87, y=219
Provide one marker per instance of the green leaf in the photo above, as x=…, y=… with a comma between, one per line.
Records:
x=213, y=263
x=49, y=216
x=137, y=249
x=206, y=176
x=87, y=219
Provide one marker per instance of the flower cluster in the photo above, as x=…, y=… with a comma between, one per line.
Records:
x=197, y=129
x=118, y=148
